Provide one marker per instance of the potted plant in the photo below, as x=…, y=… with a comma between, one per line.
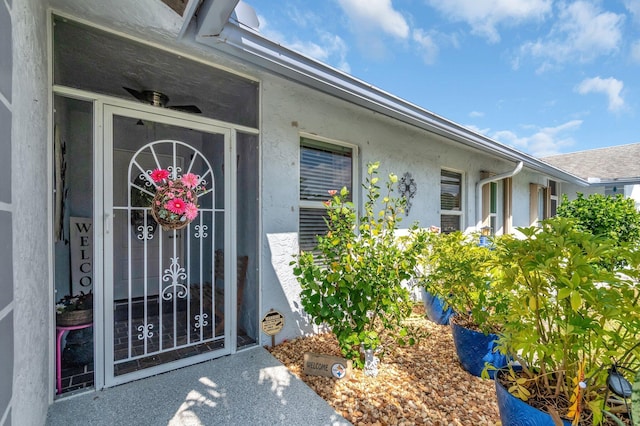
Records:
x=570, y=315
x=75, y=310
x=434, y=306
x=459, y=273
x=635, y=400
x=353, y=281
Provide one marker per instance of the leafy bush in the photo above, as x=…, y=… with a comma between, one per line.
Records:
x=611, y=217
x=354, y=284
x=457, y=270
x=568, y=317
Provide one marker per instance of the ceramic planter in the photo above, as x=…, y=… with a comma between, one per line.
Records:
x=434, y=308
x=515, y=412
x=475, y=348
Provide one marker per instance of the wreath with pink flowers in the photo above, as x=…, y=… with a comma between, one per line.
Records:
x=175, y=204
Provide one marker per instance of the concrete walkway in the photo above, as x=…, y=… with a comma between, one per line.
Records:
x=248, y=388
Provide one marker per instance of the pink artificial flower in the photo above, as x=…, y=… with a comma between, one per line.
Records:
x=170, y=195
x=191, y=211
x=175, y=205
x=158, y=175
x=190, y=180
x=332, y=192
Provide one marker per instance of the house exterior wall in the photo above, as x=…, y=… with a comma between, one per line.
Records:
x=28, y=211
x=287, y=110
x=6, y=216
x=633, y=191
x=572, y=190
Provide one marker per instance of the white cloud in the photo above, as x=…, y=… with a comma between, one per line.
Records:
x=374, y=15
x=302, y=18
x=608, y=86
x=331, y=49
x=543, y=142
x=582, y=33
x=426, y=45
x=475, y=114
x=484, y=16
x=633, y=6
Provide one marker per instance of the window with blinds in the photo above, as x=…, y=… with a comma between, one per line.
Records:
x=324, y=166
x=450, y=201
x=553, y=198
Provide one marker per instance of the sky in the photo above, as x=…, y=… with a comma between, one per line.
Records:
x=545, y=77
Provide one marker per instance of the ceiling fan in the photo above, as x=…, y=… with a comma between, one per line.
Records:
x=159, y=99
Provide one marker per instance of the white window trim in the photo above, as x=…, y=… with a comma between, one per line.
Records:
x=355, y=183
x=462, y=197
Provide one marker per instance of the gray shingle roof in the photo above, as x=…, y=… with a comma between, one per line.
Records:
x=616, y=162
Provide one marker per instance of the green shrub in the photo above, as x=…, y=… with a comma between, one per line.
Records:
x=354, y=284
x=457, y=270
x=611, y=217
x=569, y=317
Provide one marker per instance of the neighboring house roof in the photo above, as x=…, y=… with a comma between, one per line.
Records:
x=214, y=29
x=620, y=164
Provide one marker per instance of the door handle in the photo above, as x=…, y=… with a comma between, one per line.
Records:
x=107, y=223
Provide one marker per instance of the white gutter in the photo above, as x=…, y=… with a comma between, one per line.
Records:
x=245, y=43
x=485, y=181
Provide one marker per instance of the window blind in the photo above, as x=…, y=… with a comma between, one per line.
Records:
x=323, y=167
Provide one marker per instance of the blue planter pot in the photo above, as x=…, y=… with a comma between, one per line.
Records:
x=515, y=412
x=434, y=308
x=475, y=348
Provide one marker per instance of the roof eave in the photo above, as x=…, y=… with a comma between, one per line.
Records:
x=614, y=181
x=250, y=46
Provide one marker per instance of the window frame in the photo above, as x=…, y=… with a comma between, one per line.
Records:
x=460, y=212
x=319, y=205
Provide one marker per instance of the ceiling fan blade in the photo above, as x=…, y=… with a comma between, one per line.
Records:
x=136, y=94
x=186, y=108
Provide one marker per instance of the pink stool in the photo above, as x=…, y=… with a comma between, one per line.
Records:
x=60, y=330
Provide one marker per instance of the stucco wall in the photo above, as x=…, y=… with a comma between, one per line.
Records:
x=6, y=216
x=32, y=322
x=287, y=110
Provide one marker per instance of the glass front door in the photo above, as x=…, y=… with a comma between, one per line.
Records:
x=166, y=296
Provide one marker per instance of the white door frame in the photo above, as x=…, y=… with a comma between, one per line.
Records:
x=103, y=185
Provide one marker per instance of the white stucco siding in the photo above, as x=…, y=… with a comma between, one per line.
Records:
x=572, y=190
x=32, y=301
x=149, y=18
x=633, y=191
x=289, y=109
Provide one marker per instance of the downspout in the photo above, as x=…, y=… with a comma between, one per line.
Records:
x=485, y=181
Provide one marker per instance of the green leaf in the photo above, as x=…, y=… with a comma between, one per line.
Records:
x=563, y=293
x=576, y=300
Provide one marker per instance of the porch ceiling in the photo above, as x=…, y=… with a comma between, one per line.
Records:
x=89, y=59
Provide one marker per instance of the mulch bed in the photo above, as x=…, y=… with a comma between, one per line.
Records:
x=422, y=384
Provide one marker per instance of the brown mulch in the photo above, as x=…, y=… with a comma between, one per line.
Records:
x=422, y=384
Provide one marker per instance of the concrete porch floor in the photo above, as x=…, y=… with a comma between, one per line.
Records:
x=248, y=388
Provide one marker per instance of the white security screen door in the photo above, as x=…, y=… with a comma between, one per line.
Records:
x=166, y=293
